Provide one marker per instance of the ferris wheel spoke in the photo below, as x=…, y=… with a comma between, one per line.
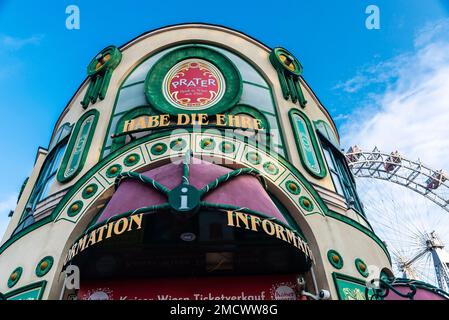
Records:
x=404, y=201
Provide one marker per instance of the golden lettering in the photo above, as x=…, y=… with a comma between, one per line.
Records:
x=243, y=218
x=280, y=232
x=265, y=228
x=233, y=121
x=183, y=119
x=92, y=238
x=165, y=120
x=255, y=222
x=109, y=233
x=117, y=230
x=258, y=124
x=140, y=123
x=203, y=119
x=136, y=219
x=246, y=122
x=291, y=238
x=231, y=219
x=129, y=124
x=221, y=120
x=82, y=243
x=153, y=122
x=100, y=233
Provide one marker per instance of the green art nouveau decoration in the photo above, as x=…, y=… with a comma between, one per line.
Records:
x=289, y=71
x=32, y=291
x=78, y=147
x=350, y=288
x=306, y=142
x=193, y=79
x=99, y=72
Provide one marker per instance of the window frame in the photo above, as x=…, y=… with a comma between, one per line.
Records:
x=345, y=177
x=36, y=194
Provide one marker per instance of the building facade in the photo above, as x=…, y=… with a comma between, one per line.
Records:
x=193, y=163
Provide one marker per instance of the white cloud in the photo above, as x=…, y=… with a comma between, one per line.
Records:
x=412, y=113
x=406, y=108
x=15, y=43
x=6, y=204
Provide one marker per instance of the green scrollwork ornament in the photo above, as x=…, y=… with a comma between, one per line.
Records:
x=289, y=71
x=99, y=72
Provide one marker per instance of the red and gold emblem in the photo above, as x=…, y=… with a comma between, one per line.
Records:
x=193, y=84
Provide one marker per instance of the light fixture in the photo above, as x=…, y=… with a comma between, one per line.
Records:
x=188, y=237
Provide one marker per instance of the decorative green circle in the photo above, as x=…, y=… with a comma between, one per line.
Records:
x=254, y=158
x=335, y=259
x=306, y=204
x=155, y=79
x=162, y=146
x=111, y=174
x=86, y=194
x=227, y=147
x=129, y=161
x=15, y=277
x=208, y=144
x=44, y=266
x=112, y=63
x=360, y=265
x=275, y=58
x=178, y=144
x=75, y=208
x=270, y=168
x=293, y=187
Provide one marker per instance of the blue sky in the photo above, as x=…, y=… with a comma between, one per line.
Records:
x=350, y=67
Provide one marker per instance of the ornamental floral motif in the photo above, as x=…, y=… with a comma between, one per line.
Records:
x=194, y=84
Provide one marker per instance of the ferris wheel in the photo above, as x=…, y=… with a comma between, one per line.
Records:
x=407, y=204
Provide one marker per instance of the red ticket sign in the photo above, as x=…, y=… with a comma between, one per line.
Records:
x=194, y=84
x=208, y=288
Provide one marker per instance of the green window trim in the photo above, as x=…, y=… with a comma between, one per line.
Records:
x=63, y=132
x=339, y=170
x=324, y=128
x=314, y=153
x=80, y=142
x=119, y=142
x=47, y=174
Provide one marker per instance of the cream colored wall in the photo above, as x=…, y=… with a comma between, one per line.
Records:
x=351, y=244
x=40, y=158
x=51, y=239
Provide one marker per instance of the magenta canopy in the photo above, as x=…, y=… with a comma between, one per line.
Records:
x=242, y=191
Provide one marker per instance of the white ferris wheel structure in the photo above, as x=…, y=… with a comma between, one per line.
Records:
x=407, y=203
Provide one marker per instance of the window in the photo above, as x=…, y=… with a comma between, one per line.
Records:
x=62, y=133
x=120, y=141
x=341, y=175
x=327, y=131
x=43, y=186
